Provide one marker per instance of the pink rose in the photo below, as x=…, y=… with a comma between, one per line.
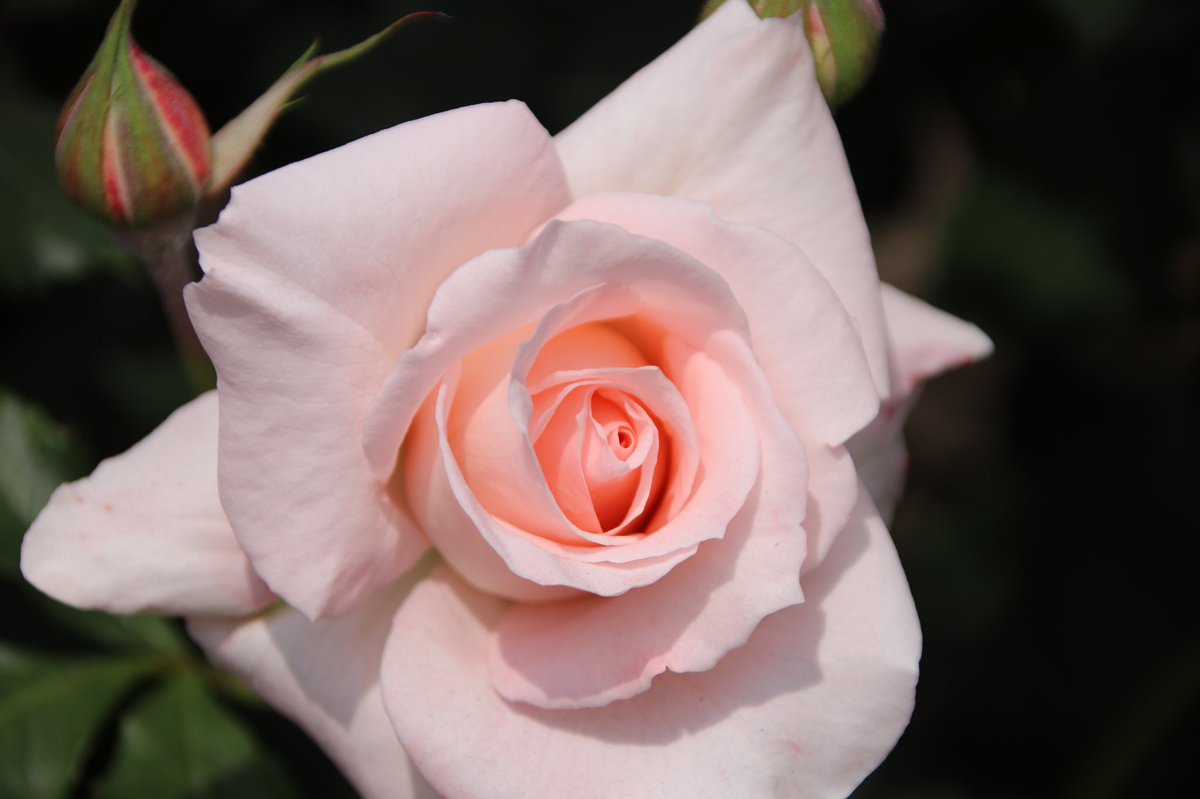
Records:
x=611, y=378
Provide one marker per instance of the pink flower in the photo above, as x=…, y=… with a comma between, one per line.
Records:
x=611, y=377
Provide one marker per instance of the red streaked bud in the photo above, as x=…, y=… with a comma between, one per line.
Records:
x=132, y=145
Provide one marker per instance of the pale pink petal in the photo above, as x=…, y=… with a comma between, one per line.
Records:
x=295, y=377
x=833, y=489
x=534, y=391
x=808, y=707
x=595, y=650
x=619, y=474
x=522, y=496
x=598, y=448
x=559, y=451
x=494, y=451
x=318, y=276
x=145, y=532
x=426, y=485
x=507, y=561
x=880, y=456
x=924, y=342
x=373, y=227
x=574, y=273
x=732, y=116
x=806, y=343
x=504, y=290
x=607, y=571
x=324, y=675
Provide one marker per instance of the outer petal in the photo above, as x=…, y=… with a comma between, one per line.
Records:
x=145, y=532
x=924, y=342
x=318, y=276
x=372, y=228
x=732, y=115
x=324, y=675
x=295, y=377
x=807, y=708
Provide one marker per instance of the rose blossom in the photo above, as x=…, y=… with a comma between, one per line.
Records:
x=612, y=378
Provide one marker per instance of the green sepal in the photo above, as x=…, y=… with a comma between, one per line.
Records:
x=235, y=143
x=52, y=711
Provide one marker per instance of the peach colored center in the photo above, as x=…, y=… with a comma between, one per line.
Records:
x=599, y=449
x=601, y=453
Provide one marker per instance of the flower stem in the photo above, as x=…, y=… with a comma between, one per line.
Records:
x=170, y=256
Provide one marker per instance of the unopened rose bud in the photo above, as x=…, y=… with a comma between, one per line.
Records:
x=132, y=145
x=844, y=36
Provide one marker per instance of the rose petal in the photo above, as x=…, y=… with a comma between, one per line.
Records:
x=808, y=707
x=145, y=532
x=738, y=121
x=591, y=651
x=324, y=675
x=601, y=481
x=318, y=277
x=611, y=570
x=494, y=452
x=833, y=489
x=295, y=377
x=803, y=338
x=504, y=290
x=926, y=341
x=880, y=456
x=575, y=273
x=373, y=227
x=923, y=343
x=529, y=375
x=560, y=453
x=426, y=485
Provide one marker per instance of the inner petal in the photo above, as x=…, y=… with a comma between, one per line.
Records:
x=619, y=435
x=559, y=450
x=620, y=458
x=490, y=447
x=599, y=452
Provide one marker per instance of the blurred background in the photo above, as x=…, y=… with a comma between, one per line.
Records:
x=1030, y=165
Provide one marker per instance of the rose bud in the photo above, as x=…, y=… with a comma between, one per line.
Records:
x=132, y=146
x=844, y=36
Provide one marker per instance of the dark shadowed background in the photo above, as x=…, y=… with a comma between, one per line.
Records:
x=1030, y=165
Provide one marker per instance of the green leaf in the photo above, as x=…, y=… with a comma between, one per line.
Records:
x=119, y=633
x=235, y=143
x=178, y=742
x=32, y=619
x=51, y=711
x=37, y=454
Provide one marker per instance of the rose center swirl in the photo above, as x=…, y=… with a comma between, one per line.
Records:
x=600, y=451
